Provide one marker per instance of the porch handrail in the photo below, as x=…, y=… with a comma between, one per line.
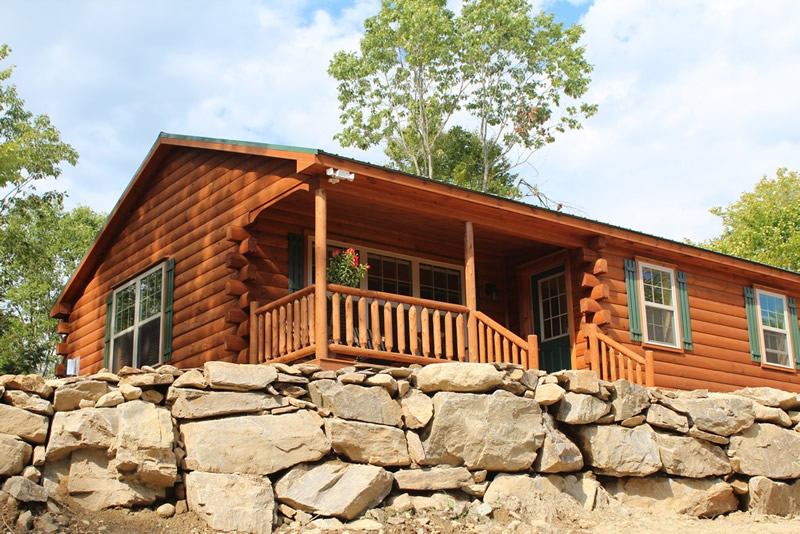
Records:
x=611, y=360
x=284, y=328
x=404, y=299
x=496, y=343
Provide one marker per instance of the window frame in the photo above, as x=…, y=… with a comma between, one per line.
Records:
x=788, y=331
x=643, y=303
x=137, y=324
x=364, y=252
x=541, y=311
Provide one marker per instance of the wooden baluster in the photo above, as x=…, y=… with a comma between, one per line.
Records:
x=282, y=332
x=304, y=321
x=460, y=337
x=413, y=343
x=649, y=370
x=297, y=321
x=448, y=335
x=266, y=353
x=437, y=334
x=604, y=362
x=594, y=352
x=362, y=323
x=312, y=331
x=515, y=354
x=613, y=356
x=426, y=333
x=275, y=333
x=531, y=359
x=336, y=319
x=376, y=325
x=639, y=374
x=630, y=371
x=289, y=329
x=401, y=328
x=482, y=343
x=388, y=337
x=506, y=351
x=258, y=356
x=489, y=345
x=622, y=359
x=348, y=320
x=498, y=354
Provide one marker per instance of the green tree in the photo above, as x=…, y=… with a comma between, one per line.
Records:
x=458, y=160
x=519, y=76
x=41, y=246
x=763, y=225
x=31, y=148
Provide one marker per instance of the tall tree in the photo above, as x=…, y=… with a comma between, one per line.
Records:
x=31, y=148
x=763, y=225
x=41, y=246
x=518, y=75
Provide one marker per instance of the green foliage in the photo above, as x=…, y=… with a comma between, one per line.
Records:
x=31, y=148
x=519, y=76
x=41, y=245
x=345, y=269
x=458, y=160
x=764, y=225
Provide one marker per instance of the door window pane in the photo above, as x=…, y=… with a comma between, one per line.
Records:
x=553, y=306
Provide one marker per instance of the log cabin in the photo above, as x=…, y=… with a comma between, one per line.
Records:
x=217, y=250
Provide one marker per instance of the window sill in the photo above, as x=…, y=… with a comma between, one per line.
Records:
x=773, y=367
x=665, y=348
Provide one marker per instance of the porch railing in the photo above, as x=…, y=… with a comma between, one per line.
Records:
x=610, y=360
x=383, y=326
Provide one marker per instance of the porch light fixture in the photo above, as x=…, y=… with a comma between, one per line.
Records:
x=334, y=175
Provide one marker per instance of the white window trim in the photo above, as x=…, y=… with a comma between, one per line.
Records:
x=541, y=311
x=136, y=324
x=365, y=251
x=762, y=327
x=674, y=308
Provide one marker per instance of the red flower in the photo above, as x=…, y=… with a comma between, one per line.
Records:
x=336, y=252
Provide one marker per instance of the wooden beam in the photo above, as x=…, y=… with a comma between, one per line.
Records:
x=249, y=247
x=597, y=242
x=248, y=273
x=234, y=260
x=63, y=327
x=590, y=306
x=585, y=255
x=602, y=317
x=61, y=349
x=61, y=310
x=320, y=273
x=589, y=280
x=235, y=316
x=599, y=292
x=243, y=330
x=235, y=344
x=469, y=282
x=600, y=266
x=236, y=234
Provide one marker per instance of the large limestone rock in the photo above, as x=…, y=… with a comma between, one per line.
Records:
x=458, y=376
x=254, y=444
x=334, y=488
x=69, y=396
x=767, y=450
x=368, y=443
x=231, y=503
x=238, y=377
x=774, y=398
x=147, y=380
x=28, y=401
x=558, y=453
x=90, y=428
x=580, y=409
x=765, y=414
x=24, y=490
x=769, y=497
x=436, y=479
x=619, y=451
x=14, y=455
x=29, y=383
x=723, y=415
x=662, y=417
x=197, y=404
x=367, y=404
x=583, y=381
x=548, y=394
x=96, y=483
x=582, y=487
x=192, y=378
x=685, y=456
x=417, y=409
x=145, y=443
x=499, y=432
x=18, y=422
x=628, y=400
x=705, y=497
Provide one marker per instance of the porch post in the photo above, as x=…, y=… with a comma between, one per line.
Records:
x=469, y=282
x=320, y=273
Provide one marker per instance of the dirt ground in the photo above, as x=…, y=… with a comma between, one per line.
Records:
x=547, y=517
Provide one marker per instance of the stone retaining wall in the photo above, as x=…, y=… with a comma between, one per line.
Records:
x=246, y=447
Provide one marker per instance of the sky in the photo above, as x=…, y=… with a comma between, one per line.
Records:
x=697, y=99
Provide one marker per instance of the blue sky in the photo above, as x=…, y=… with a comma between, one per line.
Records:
x=697, y=100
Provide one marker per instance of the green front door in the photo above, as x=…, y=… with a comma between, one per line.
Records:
x=551, y=318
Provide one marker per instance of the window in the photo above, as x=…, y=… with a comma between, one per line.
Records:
x=137, y=317
x=439, y=283
x=553, y=312
x=774, y=324
x=392, y=275
x=657, y=287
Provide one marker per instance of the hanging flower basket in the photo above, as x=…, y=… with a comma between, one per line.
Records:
x=345, y=269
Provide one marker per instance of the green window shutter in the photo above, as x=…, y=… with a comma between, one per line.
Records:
x=752, y=324
x=795, y=330
x=107, y=342
x=295, y=262
x=683, y=302
x=632, y=288
x=169, y=289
